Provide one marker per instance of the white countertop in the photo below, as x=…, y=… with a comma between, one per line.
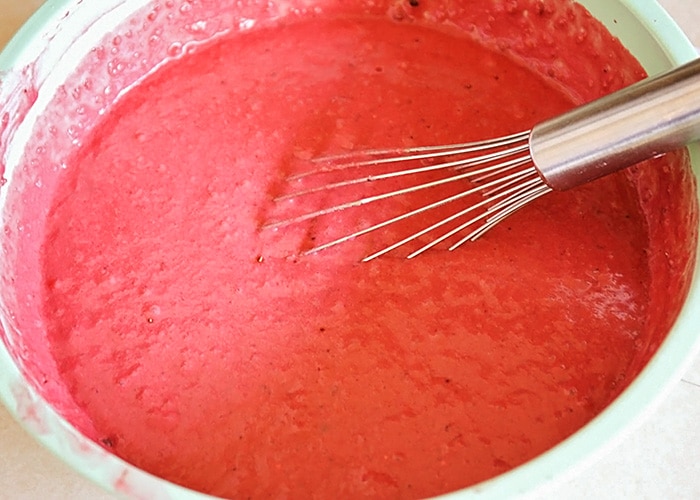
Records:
x=661, y=459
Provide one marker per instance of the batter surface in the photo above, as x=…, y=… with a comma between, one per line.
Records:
x=210, y=353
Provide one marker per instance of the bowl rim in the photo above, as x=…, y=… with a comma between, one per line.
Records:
x=587, y=444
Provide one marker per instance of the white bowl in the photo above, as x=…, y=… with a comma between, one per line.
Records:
x=50, y=36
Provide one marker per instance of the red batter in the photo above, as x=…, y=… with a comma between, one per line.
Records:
x=201, y=351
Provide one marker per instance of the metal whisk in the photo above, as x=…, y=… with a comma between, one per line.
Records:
x=647, y=119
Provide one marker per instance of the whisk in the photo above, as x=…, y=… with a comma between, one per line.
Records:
x=647, y=119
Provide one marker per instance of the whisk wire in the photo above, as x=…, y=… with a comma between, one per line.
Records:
x=398, y=218
x=457, y=165
x=506, y=180
x=485, y=215
x=500, y=170
x=345, y=160
x=524, y=200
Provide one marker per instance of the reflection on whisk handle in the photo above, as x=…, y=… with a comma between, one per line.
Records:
x=654, y=116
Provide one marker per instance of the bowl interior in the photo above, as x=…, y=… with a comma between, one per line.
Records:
x=46, y=52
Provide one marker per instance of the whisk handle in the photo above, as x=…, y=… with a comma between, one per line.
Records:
x=654, y=116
